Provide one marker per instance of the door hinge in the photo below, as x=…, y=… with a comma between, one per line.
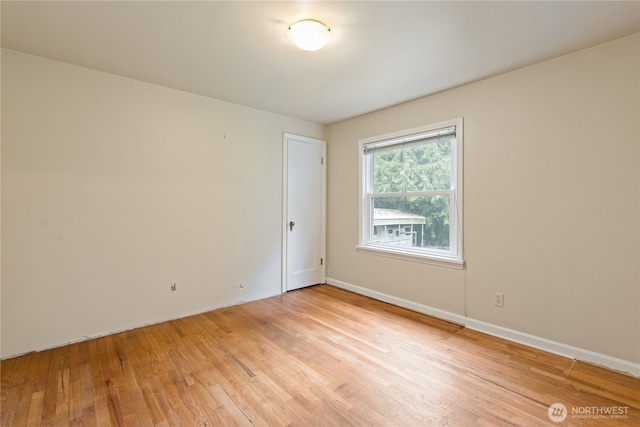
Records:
x=321, y=261
x=322, y=160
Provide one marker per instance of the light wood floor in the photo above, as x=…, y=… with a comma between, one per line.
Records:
x=319, y=357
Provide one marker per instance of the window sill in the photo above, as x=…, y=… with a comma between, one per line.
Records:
x=410, y=256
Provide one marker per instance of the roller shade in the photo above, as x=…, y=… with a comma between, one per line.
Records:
x=412, y=140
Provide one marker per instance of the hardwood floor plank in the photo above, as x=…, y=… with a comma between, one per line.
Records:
x=35, y=409
x=24, y=401
x=319, y=356
x=63, y=398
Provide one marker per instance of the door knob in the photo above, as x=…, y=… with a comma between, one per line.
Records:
x=291, y=224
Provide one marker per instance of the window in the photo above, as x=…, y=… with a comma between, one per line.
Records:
x=411, y=181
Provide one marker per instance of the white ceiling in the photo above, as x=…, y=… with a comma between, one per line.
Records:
x=381, y=53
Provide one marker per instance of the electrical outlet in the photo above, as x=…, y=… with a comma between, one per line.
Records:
x=173, y=287
x=498, y=299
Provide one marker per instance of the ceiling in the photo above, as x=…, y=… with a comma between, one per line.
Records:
x=381, y=53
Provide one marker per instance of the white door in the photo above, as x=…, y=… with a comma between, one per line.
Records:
x=304, y=212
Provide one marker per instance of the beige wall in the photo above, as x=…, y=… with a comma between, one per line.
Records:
x=112, y=189
x=551, y=203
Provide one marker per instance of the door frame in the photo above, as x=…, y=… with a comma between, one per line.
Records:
x=285, y=203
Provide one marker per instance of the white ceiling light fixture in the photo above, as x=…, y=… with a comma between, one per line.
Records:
x=309, y=34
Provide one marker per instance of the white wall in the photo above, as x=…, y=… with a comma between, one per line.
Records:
x=551, y=203
x=112, y=189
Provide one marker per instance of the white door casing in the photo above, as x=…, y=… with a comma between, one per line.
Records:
x=304, y=188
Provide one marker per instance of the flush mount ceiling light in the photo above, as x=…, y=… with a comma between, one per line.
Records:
x=309, y=34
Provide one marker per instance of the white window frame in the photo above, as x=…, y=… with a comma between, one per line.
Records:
x=454, y=258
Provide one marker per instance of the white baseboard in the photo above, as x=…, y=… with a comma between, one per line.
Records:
x=544, y=344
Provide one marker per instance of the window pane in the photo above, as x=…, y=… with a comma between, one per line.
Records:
x=422, y=167
x=419, y=222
